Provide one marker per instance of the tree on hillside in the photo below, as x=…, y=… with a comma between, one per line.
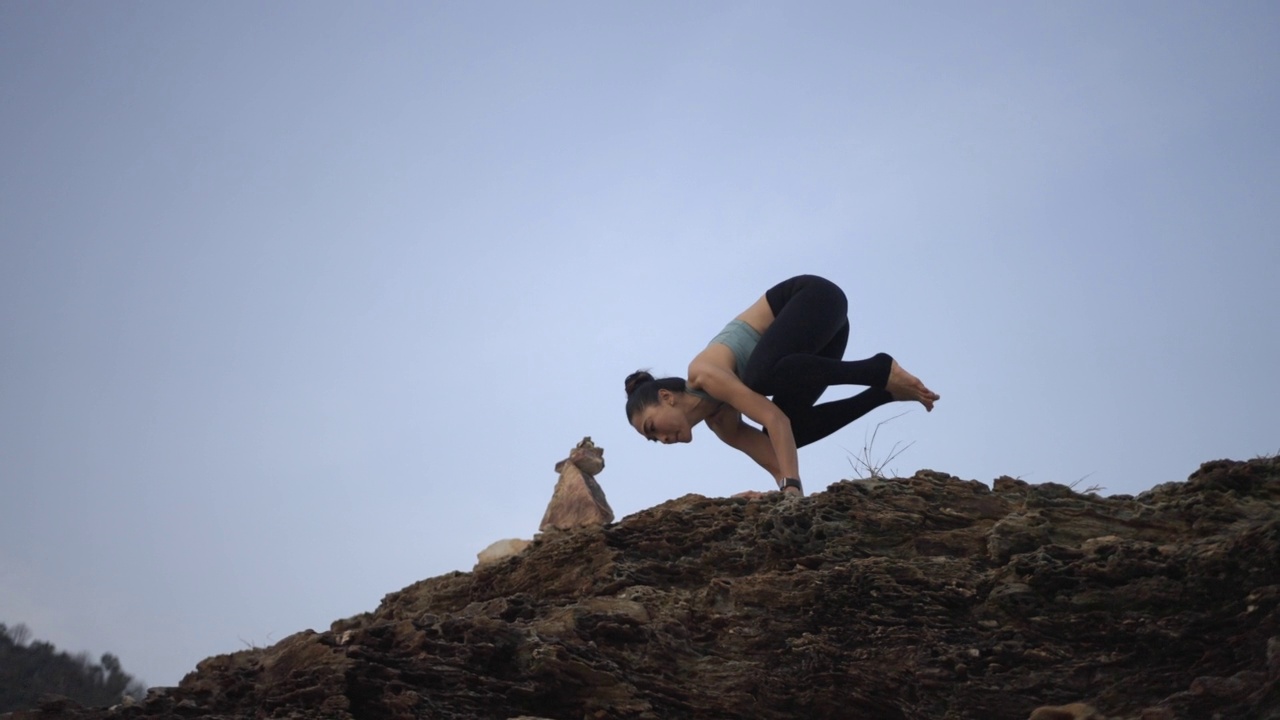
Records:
x=31, y=670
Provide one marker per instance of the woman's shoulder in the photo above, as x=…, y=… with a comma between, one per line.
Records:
x=714, y=355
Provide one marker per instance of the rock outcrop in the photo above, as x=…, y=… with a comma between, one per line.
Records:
x=921, y=597
x=578, y=501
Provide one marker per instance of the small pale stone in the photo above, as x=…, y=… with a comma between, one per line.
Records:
x=500, y=550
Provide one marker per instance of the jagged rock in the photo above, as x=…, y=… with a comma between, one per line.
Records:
x=577, y=500
x=876, y=599
x=501, y=550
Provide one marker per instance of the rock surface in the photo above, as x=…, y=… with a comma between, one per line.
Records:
x=922, y=597
x=578, y=501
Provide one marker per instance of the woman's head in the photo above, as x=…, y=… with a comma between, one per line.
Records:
x=654, y=408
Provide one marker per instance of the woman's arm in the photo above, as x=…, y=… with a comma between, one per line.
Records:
x=724, y=385
x=728, y=426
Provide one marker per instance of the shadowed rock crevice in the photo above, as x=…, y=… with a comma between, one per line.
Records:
x=920, y=597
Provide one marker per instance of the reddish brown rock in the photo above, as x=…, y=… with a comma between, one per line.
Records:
x=876, y=599
x=578, y=500
x=1073, y=711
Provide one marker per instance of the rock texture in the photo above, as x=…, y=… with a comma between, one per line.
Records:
x=923, y=597
x=578, y=500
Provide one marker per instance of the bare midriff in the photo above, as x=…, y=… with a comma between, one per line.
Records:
x=759, y=316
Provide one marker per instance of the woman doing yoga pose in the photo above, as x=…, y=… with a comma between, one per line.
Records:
x=789, y=345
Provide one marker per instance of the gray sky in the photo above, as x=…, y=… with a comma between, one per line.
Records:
x=301, y=302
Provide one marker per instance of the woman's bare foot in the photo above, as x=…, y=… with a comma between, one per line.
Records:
x=903, y=385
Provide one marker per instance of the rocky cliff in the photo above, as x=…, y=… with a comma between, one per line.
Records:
x=921, y=597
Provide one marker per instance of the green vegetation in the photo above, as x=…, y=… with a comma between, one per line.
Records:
x=32, y=670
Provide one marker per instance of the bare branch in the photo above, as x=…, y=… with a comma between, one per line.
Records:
x=864, y=465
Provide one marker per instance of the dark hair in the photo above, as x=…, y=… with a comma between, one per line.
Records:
x=642, y=390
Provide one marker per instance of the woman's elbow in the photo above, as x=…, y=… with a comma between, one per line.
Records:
x=778, y=422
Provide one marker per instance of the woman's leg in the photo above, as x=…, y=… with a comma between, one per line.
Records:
x=810, y=423
x=803, y=392
x=809, y=314
x=800, y=354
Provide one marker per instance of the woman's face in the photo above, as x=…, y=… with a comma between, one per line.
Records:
x=663, y=422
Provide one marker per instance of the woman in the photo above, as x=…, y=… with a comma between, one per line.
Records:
x=788, y=345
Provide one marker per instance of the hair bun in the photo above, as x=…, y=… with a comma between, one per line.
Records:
x=636, y=379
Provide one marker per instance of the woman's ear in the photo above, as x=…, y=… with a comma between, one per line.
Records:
x=667, y=397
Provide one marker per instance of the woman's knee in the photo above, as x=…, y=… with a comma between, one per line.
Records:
x=825, y=292
x=812, y=288
x=833, y=295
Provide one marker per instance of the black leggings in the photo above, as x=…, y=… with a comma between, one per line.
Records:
x=800, y=355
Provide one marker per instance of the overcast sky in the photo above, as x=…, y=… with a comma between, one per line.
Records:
x=301, y=302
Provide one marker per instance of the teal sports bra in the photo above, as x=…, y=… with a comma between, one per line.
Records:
x=742, y=339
